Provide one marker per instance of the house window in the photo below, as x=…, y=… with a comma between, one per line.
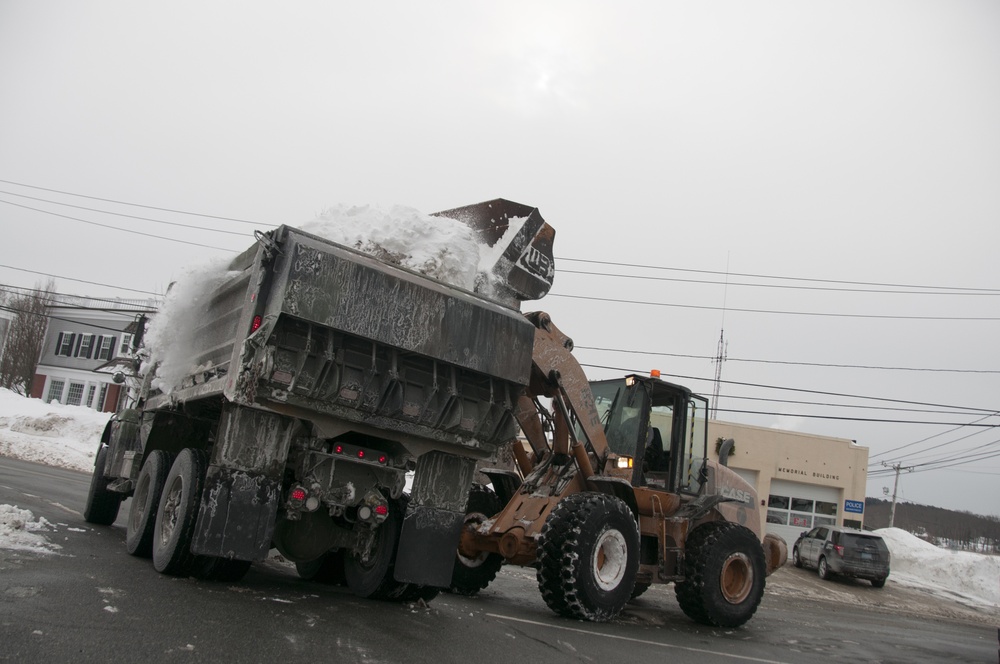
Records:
x=55, y=391
x=90, y=396
x=64, y=344
x=100, y=399
x=105, y=347
x=86, y=347
x=74, y=397
x=126, y=347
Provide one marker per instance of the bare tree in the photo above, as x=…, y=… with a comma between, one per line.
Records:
x=24, y=336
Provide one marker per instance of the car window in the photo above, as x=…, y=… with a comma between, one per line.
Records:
x=812, y=533
x=822, y=533
x=863, y=541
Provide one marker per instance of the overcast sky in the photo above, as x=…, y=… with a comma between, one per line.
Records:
x=809, y=143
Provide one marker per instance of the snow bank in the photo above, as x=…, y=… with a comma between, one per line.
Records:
x=19, y=530
x=974, y=577
x=49, y=433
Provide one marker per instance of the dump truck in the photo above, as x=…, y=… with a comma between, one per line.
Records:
x=617, y=492
x=319, y=377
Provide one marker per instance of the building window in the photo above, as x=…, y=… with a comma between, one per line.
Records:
x=100, y=399
x=74, y=397
x=90, y=396
x=105, y=348
x=55, y=391
x=86, y=347
x=801, y=512
x=126, y=347
x=64, y=344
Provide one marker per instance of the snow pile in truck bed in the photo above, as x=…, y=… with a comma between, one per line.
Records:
x=438, y=247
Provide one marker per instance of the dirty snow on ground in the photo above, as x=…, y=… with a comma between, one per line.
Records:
x=20, y=530
x=67, y=436
x=439, y=247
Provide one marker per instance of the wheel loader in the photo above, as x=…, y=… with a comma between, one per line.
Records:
x=618, y=493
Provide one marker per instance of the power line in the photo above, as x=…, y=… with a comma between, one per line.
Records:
x=129, y=216
x=148, y=207
x=790, y=363
x=766, y=311
x=116, y=228
x=783, y=286
x=65, y=320
x=804, y=391
x=82, y=281
x=765, y=276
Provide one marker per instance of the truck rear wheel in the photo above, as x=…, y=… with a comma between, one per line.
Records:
x=373, y=578
x=214, y=568
x=177, y=513
x=145, y=502
x=588, y=557
x=724, y=572
x=473, y=574
x=102, y=505
x=328, y=568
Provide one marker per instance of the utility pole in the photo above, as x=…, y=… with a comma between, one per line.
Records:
x=720, y=357
x=892, y=512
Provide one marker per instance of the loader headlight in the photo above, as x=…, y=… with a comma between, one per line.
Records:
x=624, y=462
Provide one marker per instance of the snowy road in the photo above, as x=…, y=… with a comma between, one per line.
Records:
x=89, y=600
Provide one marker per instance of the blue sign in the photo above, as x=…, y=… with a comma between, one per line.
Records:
x=856, y=506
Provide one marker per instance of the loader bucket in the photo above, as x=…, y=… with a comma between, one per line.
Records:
x=524, y=267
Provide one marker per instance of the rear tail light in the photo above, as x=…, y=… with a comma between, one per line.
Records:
x=255, y=325
x=839, y=549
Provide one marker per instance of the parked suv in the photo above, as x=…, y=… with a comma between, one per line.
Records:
x=847, y=551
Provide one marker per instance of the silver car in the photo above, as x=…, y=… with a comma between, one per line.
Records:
x=833, y=550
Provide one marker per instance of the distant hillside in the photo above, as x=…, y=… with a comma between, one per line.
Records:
x=959, y=530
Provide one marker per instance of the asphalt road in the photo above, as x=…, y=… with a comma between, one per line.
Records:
x=92, y=602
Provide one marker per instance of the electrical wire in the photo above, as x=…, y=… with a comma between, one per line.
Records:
x=82, y=281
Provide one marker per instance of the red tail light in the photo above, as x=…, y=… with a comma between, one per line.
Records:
x=298, y=494
x=382, y=458
x=381, y=510
x=839, y=549
x=361, y=454
x=339, y=449
x=255, y=324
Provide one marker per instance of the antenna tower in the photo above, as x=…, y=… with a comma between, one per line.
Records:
x=720, y=353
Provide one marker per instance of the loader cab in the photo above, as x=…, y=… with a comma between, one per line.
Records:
x=659, y=426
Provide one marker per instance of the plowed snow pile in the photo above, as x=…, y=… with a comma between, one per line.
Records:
x=971, y=576
x=19, y=530
x=52, y=434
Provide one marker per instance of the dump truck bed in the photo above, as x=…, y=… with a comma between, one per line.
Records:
x=306, y=326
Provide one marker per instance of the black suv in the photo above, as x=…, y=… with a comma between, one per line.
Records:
x=847, y=551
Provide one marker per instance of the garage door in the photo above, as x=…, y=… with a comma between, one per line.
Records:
x=793, y=507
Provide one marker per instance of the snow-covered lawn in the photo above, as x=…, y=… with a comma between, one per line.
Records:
x=67, y=436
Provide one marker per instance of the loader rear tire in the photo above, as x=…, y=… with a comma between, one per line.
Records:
x=588, y=557
x=177, y=514
x=102, y=505
x=145, y=502
x=724, y=570
x=473, y=574
x=373, y=579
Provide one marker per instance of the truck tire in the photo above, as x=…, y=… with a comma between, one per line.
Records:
x=373, y=579
x=102, y=505
x=177, y=513
x=588, y=557
x=145, y=502
x=215, y=568
x=724, y=572
x=473, y=574
x=328, y=568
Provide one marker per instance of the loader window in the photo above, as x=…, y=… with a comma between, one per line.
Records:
x=621, y=410
x=696, y=447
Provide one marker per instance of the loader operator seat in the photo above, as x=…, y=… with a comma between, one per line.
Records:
x=655, y=458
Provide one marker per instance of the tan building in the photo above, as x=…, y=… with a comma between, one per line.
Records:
x=802, y=480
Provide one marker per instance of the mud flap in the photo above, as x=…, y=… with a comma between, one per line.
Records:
x=239, y=503
x=237, y=515
x=433, y=522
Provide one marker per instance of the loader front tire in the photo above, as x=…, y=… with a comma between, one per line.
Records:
x=588, y=557
x=102, y=505
x=177, y=514
x=145, y=503
x=724, y=570
x=472, y=574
